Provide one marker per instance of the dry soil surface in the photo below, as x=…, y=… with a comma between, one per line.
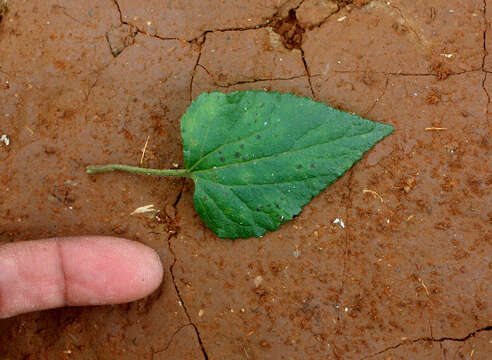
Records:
x=408, y=274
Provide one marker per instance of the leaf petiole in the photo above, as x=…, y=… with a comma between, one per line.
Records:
x=97, y=169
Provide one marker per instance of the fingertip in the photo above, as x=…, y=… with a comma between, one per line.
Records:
x=92, y=270
x=150, y=276
x=108, y=270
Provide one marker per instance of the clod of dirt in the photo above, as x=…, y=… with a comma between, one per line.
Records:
x=434, y=97
x=313, y=13
x=3, y=9
x=441, y=70
x=120, y=37
x=290, y=30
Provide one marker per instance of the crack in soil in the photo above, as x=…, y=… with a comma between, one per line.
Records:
x=140, y=31
x=306, y=68
x=176, y=288
x=181, y=302
x=430, y=339
x=64, y=12
x=94, y=84
x=408, y=24
x=252, y=27
x=485, y=22
x=431, y=331
x=485, y=90
x=378, y=99
x=200, y=44
x=485, y=72
x=228, y=85
x=397, y=73
x=180, y=194
x=203, y=33
x=119, y=10
x=169, y=343
x=270, y=22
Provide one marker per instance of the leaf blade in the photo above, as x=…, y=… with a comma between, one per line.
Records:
x=266, y=155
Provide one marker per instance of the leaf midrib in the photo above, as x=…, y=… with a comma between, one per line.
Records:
x=275, y=155
x=265, y=184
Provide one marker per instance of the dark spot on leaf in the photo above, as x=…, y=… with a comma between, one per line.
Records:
x=277, y=206
x=237, y=155
x=259, y=207
x=313, y=166
x=299, y=167
x=244, y=158
x=220, y=152
x=222, y=158
x=258, y=136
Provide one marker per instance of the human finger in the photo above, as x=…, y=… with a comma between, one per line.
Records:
x=91, y=270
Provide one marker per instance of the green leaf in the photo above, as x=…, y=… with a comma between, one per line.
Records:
x=257, y=158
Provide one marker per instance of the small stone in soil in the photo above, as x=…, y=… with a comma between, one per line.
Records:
x=120, y=37
x=5, y=139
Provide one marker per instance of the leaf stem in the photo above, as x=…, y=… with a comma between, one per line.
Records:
x=97, y=169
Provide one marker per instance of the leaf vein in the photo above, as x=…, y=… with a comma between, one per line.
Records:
x=265, y=184
x=231, y=143
x=274, y=156
x=227, y=216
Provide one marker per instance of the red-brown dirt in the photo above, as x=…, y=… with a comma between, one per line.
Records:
x=407, y=277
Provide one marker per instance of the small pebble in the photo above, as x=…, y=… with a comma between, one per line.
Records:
x=5, y=139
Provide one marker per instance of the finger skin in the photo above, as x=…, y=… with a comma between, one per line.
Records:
x=92, y=270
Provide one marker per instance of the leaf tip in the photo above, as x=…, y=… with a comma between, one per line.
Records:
x=385, y=129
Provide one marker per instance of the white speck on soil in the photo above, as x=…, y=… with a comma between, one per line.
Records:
x=5, y=139
x=339, y=221
x=258, y=280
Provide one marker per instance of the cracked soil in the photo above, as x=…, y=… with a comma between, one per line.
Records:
x=407, y=276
